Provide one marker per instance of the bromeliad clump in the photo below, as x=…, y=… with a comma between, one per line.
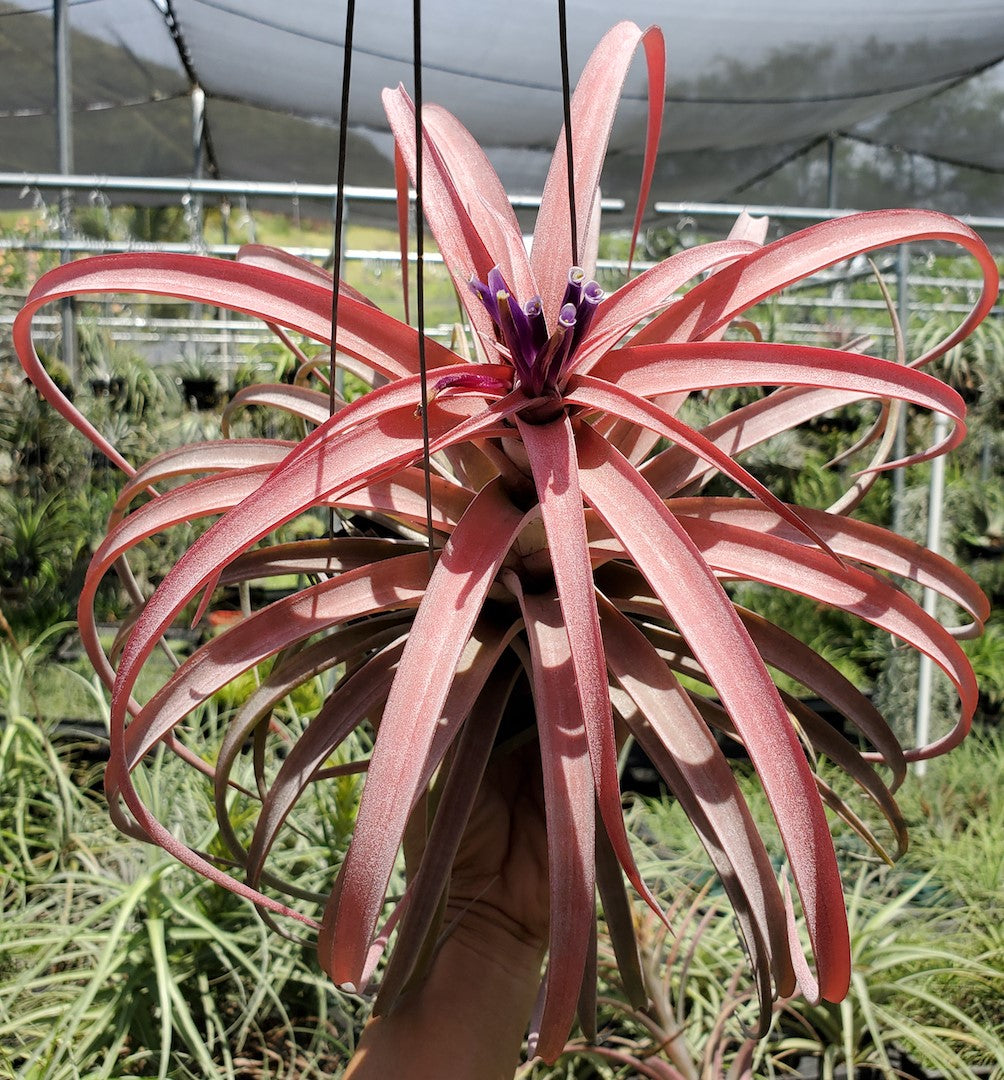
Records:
x=577, y=564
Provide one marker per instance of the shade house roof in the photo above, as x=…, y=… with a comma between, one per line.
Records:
x=779, y=101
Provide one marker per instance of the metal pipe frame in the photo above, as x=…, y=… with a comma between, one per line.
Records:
x=168, y=185
x=794, y=213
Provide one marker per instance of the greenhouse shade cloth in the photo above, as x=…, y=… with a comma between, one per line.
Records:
x=904, y=99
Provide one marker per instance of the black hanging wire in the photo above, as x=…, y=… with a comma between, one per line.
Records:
x=566, y=100
x=336, y=253
x=420, y=269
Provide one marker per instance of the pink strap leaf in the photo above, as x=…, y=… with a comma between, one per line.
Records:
x=647, y=370
x=694, y=599
x=355, y=698
x=390, y=584
x=442, y=627
x=858, y=540
x=597, y=394
x=745, y=427
x=686, y=754
x=569, y=807
x=483, y=196
x=594, y=106
x=752, y=555
x=651, y=291
x=300, y=401
x=453, y=811
x=462, y=247
x=734, y=290
x=551, y=450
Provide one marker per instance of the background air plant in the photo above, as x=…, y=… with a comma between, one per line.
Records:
x=574, y=562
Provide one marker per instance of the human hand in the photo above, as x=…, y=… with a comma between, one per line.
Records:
x=466, y=1020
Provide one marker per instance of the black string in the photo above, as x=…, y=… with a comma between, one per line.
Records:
x=566, y=100
x=336, y=254
x=420, y=269
x=336, y=250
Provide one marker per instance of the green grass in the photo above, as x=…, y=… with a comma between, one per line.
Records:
x=69, y=690
x=927, y=943
x=117, y=962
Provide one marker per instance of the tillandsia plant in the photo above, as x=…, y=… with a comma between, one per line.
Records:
x=574, y=564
